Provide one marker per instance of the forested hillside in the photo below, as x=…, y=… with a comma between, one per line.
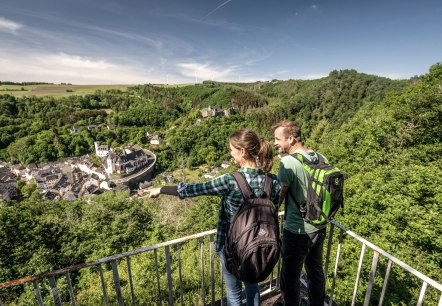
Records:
x=386, y=135
x=37, y=129
x=392, y=152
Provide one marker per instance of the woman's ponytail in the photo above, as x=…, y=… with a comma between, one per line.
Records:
x=265, y=156
x=260, y=151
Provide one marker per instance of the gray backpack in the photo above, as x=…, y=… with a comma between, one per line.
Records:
x=253, y=244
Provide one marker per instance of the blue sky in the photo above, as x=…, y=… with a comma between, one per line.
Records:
x=186, y=41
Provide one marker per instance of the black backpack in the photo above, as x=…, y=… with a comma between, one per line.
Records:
x=325, y=190
x=253, y=245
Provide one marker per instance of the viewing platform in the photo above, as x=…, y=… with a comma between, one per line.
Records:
x=163, y=282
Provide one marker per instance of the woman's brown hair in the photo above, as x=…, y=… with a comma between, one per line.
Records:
x=259, y=150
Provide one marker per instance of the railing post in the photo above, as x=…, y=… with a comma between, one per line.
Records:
x=384, y=286
x=203, y=289
x=169, y=274
x=129, y=273
x=158, y=276
x=358, y=274
x=335, y=273
x=374, y=264
x=71, y=291
x=103, y=285
x=54, y=291
x=422, y=294
x=38, y=293
x=179, y=273
x=117, y=282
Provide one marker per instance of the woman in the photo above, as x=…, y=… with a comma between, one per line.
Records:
x=255, y=158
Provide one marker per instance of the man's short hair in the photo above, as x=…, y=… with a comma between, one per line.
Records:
x=290, y=129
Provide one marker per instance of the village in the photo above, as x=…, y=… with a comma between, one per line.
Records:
x=70, y=178
x=129, y=168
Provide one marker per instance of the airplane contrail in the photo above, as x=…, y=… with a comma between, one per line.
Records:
x=213, y=11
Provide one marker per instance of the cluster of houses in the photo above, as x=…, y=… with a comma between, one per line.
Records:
x=68, y=178
x=7, y=183
x=216, y=112
x=71, y=178
x=75, y=129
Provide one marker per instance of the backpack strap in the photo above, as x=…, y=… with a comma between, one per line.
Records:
x=243, y=185
x=303, y=160
x=267, y=186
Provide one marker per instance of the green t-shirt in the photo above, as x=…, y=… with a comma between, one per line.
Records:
x=291, y=173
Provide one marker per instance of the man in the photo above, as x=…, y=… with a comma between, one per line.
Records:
x=302, y=242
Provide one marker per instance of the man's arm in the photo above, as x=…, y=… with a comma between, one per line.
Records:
x=285, y=176
x=283, y=193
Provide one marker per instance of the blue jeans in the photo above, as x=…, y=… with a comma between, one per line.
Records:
x=298, y=250
x=234, y=288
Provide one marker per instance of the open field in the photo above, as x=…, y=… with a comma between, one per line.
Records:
x=57, y=90
x=65, y=90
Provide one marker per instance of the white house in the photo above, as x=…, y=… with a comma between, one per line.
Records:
x=101, y=150
x=225, y=164
x=156, y=140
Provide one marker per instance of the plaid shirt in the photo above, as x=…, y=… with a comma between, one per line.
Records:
x=226, y=187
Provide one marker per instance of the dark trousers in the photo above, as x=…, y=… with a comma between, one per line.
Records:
x=299, y=249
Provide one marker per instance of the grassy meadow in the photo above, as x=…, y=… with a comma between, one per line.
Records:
x=64, y=90
x=56, y=90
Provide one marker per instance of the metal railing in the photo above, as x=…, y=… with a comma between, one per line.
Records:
x=371, y=281
x=208, y=277
x=167, y=259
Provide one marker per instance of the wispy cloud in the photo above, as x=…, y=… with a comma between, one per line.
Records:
x=217, y=8
x=9, y=26
x=248, y=56
x=206, y=71
x=75, y=61
x=61, y=67
x=148, y=38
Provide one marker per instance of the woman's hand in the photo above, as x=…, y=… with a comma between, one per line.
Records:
x=154, y=192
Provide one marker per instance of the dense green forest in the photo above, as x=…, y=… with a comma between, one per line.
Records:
x=37, y=129
x=385, y=134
